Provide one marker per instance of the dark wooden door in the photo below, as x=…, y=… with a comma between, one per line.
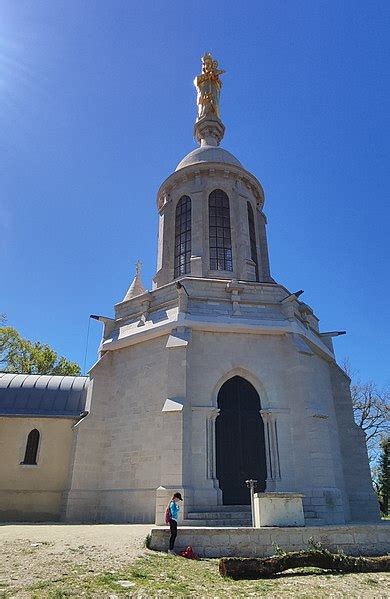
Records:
x=240, y=447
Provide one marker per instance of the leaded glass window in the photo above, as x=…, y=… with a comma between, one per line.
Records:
x=30, y=456
x=219, y=231
x=252, y=238
x=183, y=237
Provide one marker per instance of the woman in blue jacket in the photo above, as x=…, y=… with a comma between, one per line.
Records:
x=174, y=509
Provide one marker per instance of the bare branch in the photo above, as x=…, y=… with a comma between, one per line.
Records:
x=371, y=408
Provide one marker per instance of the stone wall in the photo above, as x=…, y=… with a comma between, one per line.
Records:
x=117, y=463
x=363, y=502
x=130, y=444
x=296, y=396
x=258, y=542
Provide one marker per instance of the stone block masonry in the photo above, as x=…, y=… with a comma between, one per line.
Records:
x=357, y=539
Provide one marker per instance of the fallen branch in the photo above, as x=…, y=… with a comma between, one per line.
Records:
x=259, y=567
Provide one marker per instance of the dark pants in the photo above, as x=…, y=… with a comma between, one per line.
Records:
x=173, y=529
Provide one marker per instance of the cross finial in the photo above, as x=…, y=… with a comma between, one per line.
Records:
x=136, y=287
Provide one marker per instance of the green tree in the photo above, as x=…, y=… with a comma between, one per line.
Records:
x=21, y=356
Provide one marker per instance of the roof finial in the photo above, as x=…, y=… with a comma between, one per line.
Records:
x=136, y=287
x=209, y=129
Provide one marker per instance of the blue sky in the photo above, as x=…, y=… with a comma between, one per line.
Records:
x=97, y=108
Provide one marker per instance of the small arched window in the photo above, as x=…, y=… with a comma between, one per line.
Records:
x=219, y=231
x=30, y=456
x=182, y=261
x=252, y=238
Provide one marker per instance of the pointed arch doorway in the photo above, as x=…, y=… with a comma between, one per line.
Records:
x=240, y=445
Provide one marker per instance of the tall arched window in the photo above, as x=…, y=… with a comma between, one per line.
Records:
x=183, y=237
x=219, y=231
x=30, y=456
x=252, y=238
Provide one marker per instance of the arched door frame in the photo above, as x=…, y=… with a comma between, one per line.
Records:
x=239, y=440
x=268, y=414
x=251, y=378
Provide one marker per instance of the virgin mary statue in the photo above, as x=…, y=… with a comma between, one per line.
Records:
x=208, y=86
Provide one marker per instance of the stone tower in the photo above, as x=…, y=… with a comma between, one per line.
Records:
x=219, y=374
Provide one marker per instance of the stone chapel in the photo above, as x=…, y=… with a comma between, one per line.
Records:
x=217, y=375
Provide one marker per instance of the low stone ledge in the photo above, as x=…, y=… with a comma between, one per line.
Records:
x=373, y=539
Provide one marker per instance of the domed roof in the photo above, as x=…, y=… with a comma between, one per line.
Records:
x=208, y=154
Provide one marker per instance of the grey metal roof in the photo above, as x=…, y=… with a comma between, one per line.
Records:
x=43, y=395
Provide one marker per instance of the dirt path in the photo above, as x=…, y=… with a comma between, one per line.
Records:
x=33, y=553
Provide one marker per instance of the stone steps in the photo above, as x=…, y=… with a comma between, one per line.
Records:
x=224, y=515
x=219, y=515
x=217, y=523
x=224, y=508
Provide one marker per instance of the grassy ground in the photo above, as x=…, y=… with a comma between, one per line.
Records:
x=160, y=575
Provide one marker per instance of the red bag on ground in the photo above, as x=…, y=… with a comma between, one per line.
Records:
x=188, y=553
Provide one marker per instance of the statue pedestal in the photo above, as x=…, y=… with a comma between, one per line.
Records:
x=209, y=130
x=278, y=509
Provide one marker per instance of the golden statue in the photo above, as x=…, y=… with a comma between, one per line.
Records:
x=208, y=86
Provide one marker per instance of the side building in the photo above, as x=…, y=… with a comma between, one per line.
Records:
x=39, y=416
